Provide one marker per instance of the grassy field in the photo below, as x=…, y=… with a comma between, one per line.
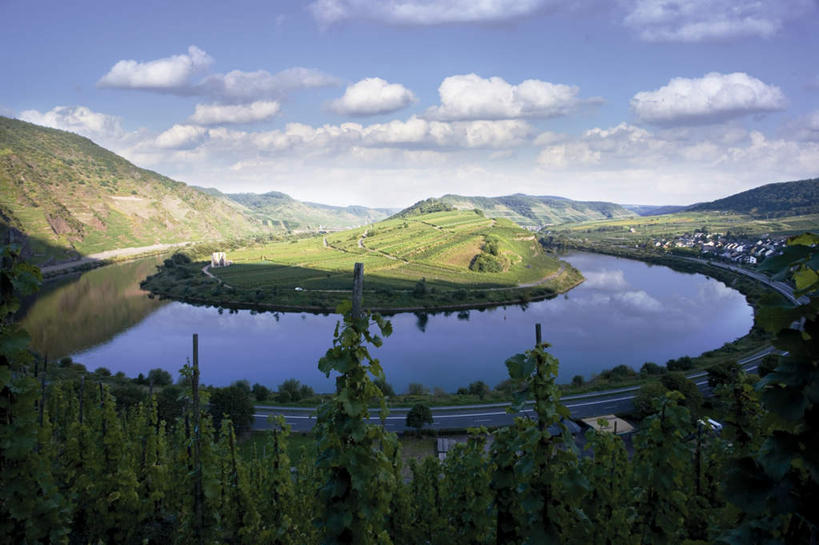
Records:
x=439, y=248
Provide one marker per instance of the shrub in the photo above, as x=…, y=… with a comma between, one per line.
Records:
x=260, y=392
x=478, y=388
x=680, y=364
x=645, y=400
x=418, y=416
x=233, y=401
x=416, y=389
x=650, y=368
x=577, y=381
x=385, y=387
x=159, y=377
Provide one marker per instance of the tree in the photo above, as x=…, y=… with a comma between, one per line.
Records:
x=416, y=389
x=260, y=392
x=418, y=416
x=159, y=377
x=479, y=388
x=645, y=400
x=233, y=401
x=678, y=382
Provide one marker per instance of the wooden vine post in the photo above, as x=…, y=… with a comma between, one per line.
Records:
x=358, y=289
x=197, y=454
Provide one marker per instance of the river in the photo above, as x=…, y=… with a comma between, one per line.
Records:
x=626, y=312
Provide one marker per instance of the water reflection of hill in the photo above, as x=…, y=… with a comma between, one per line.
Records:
x=74, y=315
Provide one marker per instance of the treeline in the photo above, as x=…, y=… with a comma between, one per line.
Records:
x=73, y=469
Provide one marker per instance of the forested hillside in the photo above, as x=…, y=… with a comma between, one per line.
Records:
x=69, y=196
x=771, y=200
x=529, y=210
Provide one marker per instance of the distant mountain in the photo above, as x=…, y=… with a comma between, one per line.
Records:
x=652, y=210
x=529, y=210
x=279, y=210
x=771, y=200
x=69, y=195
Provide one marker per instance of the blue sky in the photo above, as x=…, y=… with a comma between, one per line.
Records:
x=387, y=102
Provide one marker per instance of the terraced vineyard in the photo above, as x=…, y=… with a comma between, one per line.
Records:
x=440, y=248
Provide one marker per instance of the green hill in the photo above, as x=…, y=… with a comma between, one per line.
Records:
x=529, y=210
x=771, y=200
x=282, y=211
x=70, y=196
x=443, y=259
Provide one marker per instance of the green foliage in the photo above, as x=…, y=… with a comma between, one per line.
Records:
x=234, y=403
x=547, y=469
x=486, y=263
x=650, y=368
x=777, y=486
x=661, y=470
x=293, y=390
x=32, y=508
x=359, y=477
x=419, y=416
x=645, y=401
x=427, y=206
x=260, y=392
x=779, y=199
x=684, y=363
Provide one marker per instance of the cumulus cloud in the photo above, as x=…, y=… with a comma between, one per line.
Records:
x=239, y=86
x=413, y=134
x=710, y=20
x=372, y=96
x=714, y=97
x=804, y=128
x=470, y=96
x=78, y=119
x=214, y=114
x=424, y=12
x=166, y=74
x=639, y=301
x=607, y=280
x=175, y=75
x=181, y=137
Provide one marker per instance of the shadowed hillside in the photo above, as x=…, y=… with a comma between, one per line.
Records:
x=78, y=197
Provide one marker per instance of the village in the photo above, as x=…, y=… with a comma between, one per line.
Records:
x=742, y=249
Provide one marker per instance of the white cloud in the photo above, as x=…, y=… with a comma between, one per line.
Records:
x=77, y=119
x=167, y=74
x=470, y=96
x=372, y=96
x=711, y=20
x=424, y=12
x=239, y=86
x=805, y=128
x=175, y=75
x=607, y=280
x=181, y=137
x=712, y=98
x=639, y=301
x=214, y=114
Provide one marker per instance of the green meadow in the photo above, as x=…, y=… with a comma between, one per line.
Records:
x=449, y=259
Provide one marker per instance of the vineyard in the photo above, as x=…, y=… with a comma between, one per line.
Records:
x=412, y=262
x=74, y=469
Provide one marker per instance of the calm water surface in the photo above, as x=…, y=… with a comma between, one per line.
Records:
x=625, y=312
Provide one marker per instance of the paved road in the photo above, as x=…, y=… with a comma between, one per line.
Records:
x=491, y=415
x=109, y=254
